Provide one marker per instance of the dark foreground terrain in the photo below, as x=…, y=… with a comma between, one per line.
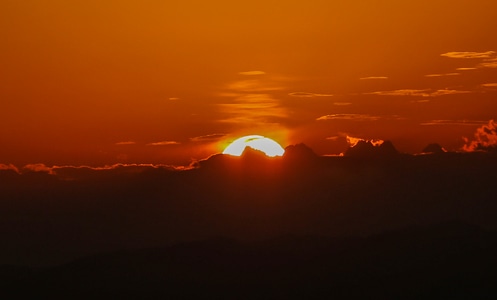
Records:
x=447, y=261
x=382, y=226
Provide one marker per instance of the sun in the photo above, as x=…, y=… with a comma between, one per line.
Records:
x=257, y=142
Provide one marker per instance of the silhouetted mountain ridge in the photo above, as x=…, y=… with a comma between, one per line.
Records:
x=368, y=149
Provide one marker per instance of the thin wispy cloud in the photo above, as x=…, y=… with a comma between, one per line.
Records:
x=419, y=93
x=252, y=73
x=352, y=117
x=342, y=103
x=438, y=93
x=442, y=75
x=163, y=143
x=489, y=84
x=488, y=58
x=308, y=95
x=125, y=143
x=453, y=122
x=373, y=78
x=208, y=137
x=489, y=63
x=466, y=69
x=254, y=86
x=332, y=138
x=469, y=55
x=402, y=92
x=250, y=108
x=252, y=102
x=173, y=99
x=9, y=167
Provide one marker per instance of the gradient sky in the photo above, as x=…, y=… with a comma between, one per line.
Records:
x=101, y=82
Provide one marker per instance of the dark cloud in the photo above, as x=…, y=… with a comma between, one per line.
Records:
x=434, y=148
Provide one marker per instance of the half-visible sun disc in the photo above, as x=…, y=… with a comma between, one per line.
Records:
x=258, y=142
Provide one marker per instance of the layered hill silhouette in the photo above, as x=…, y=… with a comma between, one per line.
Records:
x=308, y=222
x=450, y=260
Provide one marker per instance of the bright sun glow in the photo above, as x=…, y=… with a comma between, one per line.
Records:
x=257, y=142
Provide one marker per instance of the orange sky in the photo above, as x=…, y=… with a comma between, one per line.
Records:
x=99, y=82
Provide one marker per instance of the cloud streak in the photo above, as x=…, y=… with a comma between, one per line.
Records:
x=351, y=117
x=489, y=63
x=453, y=122
x=9, y=167
x=466, y=69
x=443, y=75
x=488, y=58
x=163, y=143
x=208, y=137
x=469, y=55
x=125, y=143
x=419, y=93
x=491, y=85
x=252, y=102
x=252, y=73
x=308, y=95
x=373, y=78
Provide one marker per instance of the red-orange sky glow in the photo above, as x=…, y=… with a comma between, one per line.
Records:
x=104, y=82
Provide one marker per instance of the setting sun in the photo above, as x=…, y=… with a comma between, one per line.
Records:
x=257, y=142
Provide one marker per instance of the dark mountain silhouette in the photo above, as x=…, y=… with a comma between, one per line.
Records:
x=367, y=149
x=299, y=152
x=434, y=148
x=294, y=225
